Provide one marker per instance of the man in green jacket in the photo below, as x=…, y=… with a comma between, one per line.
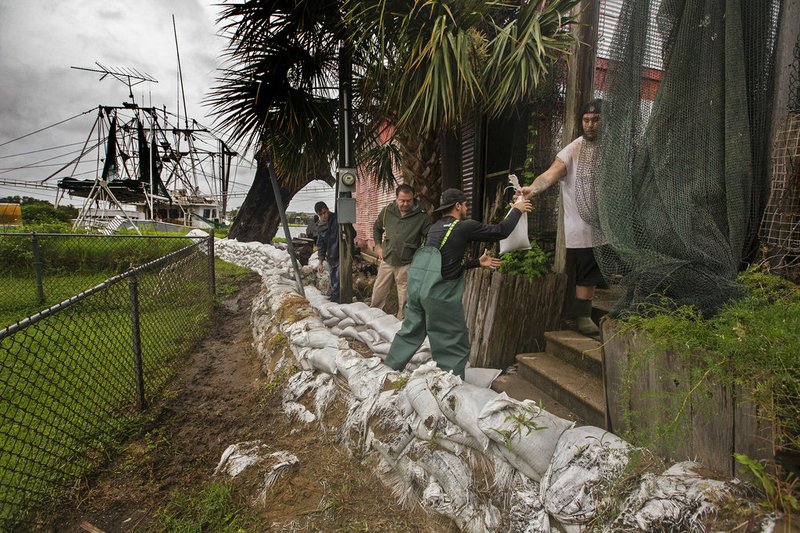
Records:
x=400, y=229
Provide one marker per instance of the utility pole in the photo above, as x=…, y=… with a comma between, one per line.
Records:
x=346, y=177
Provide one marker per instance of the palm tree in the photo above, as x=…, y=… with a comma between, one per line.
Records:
x=277, y=94
x=434, y=60
x=417, y=66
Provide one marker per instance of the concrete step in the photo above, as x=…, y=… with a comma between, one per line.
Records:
x=604, y=301
x=576, y=349
x=520, y=389
x=578, y=391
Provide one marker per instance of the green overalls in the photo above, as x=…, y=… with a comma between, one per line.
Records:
x=433, y=308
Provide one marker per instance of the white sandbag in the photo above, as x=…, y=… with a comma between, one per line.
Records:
x=381, y=349
x=505, y=454
x=336, y=310
x=454, y=477
x=298, y=384
x=525, y=512
x=423, y=355
x=356, y=434
x=298, y=411
x=238, y=457
x=391, y=431
x=351, y=333
x=403, y=477
x=528, y=431
x=481, y=377
x=346, y=322
x=368, y=315
x=586, y=459
x=353, y=309
x=676, y=500
x=296, y=387
x=324, y=395
x=420, y=397
x=367, y=335
x=278, y=464
x=312, y=335
x=431, y=424
x=387, y=326
x=323, y=359
x=366, y=378
x=518, y=239
x=463, y=404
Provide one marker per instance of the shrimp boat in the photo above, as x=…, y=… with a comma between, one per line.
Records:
x=148, y=172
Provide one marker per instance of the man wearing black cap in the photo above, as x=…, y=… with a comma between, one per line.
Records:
x=573, y=169
x=436, y=284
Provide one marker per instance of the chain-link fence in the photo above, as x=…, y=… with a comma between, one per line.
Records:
x=76, y=377
x=40, y=270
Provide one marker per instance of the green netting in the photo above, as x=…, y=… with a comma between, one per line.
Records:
x=678, y=184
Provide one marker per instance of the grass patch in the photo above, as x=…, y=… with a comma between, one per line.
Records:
x=215, y=508
x=229, y=277
x=70, y=264
x=68, y=381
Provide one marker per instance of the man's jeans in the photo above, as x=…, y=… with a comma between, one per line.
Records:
x=334, y=280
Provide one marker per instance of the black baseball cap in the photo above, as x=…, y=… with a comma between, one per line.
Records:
x=449, y=198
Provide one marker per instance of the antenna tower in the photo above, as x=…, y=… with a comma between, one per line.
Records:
x=127, y=75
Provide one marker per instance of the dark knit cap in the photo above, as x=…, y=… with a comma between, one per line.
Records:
x=592, y=106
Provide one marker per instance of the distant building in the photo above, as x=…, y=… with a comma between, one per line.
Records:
x=10, y=215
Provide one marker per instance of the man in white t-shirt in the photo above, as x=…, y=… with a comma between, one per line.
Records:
x=570, y=169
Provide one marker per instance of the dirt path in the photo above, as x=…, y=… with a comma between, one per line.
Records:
x=220, y=399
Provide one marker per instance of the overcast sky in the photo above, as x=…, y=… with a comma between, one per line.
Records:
x=41, y=39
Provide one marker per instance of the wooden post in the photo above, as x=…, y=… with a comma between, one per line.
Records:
x=580, y=89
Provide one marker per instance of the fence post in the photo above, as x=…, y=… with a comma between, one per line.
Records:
x=212, y=282
x=137, y=341
x=37, y=267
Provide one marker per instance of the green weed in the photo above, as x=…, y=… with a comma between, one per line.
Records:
x=213, y=509
x=529, y=263
x=780, y=491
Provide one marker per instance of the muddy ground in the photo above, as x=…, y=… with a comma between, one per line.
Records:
x=221, y=398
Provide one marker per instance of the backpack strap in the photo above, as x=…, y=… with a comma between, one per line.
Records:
x=446, y=235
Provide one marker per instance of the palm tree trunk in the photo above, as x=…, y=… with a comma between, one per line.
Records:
x=258, y=218
x=420, y=166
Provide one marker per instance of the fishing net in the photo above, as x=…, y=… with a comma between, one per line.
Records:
x=780, y=229
x=677, y=184
x=544, y=133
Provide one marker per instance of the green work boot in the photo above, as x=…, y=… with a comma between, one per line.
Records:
x=587, y=326
x=584, y=320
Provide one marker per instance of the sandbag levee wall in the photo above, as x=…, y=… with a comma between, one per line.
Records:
x=485, y=460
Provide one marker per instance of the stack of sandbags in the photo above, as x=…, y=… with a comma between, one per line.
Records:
x=483, y=459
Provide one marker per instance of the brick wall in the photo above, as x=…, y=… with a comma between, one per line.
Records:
x=370, y=199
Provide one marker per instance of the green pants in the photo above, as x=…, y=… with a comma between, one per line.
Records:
x=433, y=308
